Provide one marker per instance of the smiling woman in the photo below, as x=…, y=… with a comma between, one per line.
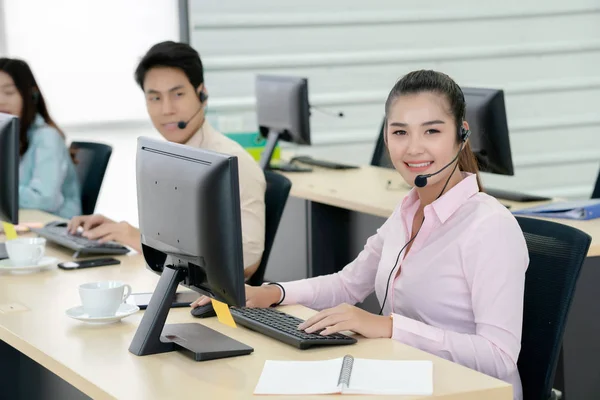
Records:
x=458, y=292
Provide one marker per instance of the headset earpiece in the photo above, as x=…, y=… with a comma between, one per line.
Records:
x=35, y=95
x=203, y=97
x=464, y=134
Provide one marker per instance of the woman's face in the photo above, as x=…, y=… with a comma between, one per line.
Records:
x=11, y=101
x=421, y=136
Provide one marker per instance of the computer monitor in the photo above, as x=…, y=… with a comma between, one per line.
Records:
x=191, y=234
x=282, y=112
x=486, y=114
x=381, y=155
x=9, y=168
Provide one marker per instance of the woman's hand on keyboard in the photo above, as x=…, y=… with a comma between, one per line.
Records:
x=349, y=318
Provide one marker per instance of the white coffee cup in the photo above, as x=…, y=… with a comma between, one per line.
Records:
x=102, y=299
x=25, y=251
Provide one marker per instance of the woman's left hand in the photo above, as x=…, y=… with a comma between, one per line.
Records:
x=349, y=318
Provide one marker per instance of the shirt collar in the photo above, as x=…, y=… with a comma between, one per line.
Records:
x=202, y=135
x=447, y=204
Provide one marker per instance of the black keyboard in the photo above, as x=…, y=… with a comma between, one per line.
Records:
x=81, y=245
x=284, y=327
x=321, y=163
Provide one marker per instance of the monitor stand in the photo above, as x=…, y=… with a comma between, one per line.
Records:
x=265, y=159
x=196, y=340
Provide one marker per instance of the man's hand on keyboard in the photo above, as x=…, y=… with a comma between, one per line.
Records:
x=98, y=227
x=256, y=297
x=349, y=318
x=87, y=222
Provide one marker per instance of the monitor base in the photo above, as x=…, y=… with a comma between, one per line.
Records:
x=198, y=341
x=202, y=343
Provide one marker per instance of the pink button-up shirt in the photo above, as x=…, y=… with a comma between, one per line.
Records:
x=459, y=293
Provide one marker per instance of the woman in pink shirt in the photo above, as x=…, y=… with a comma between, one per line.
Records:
x=448, y=266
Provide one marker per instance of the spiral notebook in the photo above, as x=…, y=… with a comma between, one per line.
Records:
x=347, y=375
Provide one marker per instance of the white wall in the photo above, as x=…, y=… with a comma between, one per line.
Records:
x=84, y=53
x=544, y=54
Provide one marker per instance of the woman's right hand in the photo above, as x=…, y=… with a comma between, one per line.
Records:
x=256, y=297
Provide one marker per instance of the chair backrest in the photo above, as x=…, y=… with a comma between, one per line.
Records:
x=596, y=192
x=92, y=160
x=276, y=195
x=556, y=254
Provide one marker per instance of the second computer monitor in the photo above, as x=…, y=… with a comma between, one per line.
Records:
x=9, y=168
x=486, y=115
x=282, y=111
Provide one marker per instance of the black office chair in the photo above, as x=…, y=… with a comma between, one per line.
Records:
x=91, y=162
x=556, y=254
x=276, y=195
x=596, y=192
x=381, y=156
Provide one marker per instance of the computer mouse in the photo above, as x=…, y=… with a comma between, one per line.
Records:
x=204, y=311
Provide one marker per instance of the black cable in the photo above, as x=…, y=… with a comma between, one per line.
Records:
x=387, y=287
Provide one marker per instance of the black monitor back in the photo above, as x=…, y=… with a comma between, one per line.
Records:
x=189, y=216
x=486, y=115
x=282, y=106
x=9, y=168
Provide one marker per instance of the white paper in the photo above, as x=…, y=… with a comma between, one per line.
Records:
x=299, y=377
x=398, y=377
x=391, y=377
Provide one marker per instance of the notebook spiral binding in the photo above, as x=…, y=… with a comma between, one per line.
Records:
x=346, y=371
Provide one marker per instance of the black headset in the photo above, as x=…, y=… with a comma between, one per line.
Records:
x=203, y=97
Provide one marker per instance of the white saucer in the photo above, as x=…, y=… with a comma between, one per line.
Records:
x=45, y=262
x=125, y=310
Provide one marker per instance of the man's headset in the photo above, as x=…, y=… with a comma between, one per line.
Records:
x=203, y=97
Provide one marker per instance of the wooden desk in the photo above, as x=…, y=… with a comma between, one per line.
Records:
x=365, y=190
x=95, y=359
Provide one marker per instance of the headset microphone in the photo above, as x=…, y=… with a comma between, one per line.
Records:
x=421, y=180
x=183, y=124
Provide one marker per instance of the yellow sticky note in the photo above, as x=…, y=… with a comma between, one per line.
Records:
x=223, y=313
x=9, y=231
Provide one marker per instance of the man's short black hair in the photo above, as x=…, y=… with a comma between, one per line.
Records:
x=172, y=54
